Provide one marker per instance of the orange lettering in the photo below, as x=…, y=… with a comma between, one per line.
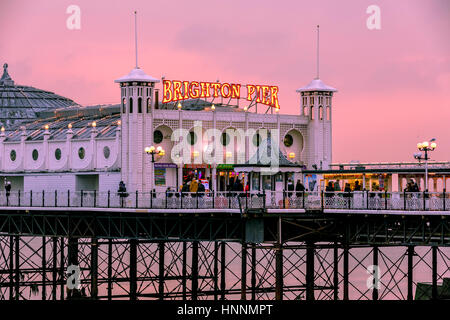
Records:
x=194, y=92
x=177, y=90
x=235, y=91
x=167, y=97
x=250, y=91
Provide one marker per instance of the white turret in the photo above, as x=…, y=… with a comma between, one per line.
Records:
x=315, y=103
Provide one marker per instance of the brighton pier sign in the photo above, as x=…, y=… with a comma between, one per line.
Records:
x=174, y=90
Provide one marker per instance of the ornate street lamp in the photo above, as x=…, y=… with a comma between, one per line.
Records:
x=159, y=151
x=425, y=147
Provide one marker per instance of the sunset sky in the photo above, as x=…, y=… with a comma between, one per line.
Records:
x=393, y=83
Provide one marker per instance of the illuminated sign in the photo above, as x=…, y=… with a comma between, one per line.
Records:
x=174, y=90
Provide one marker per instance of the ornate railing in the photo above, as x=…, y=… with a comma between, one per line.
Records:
x=358, y=200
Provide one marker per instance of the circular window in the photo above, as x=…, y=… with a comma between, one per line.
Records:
x=256, y=139
x=58, y=154
x=288, y=140
x=13, y=155
x=157, y=136
x=81, y=153
x=225, y=139
x=106, y=152
x=35, y=154
x=192, y=138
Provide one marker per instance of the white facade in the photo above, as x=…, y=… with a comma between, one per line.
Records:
x=73, y=161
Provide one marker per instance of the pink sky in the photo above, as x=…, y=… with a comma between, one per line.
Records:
x=393, y=83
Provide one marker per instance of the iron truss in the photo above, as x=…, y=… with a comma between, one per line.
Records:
x=202, y=256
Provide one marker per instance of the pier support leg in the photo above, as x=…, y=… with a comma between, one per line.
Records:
x=161, y=270
x=44, y=269
x=110, y=249
x=54, y=266
x=222, y=269
x=376, y=281
x=336, y=271
x=345, y=271
x=184, y=270
x=216, y=270
x=94, y=268
x=194, y=270
x=133, y=269
x=434, y=293
x=310, y=251
x=244, y=271
x=253, y=271
x=410, y=271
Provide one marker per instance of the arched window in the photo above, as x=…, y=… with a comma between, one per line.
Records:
x=320, y=113
x=124, y=105
x=311, y=113
x=328, y=113
x=305, y=110
x=139, y=105
x=131, y=105
x=149, y=105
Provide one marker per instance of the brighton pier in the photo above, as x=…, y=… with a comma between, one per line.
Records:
x=95, y=188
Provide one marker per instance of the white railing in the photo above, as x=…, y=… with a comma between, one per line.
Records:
x=362, y=200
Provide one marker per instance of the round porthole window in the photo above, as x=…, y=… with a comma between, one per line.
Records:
x=13, y=155
x=225, y=139
x=81, y=153
x=35, y=154
x=58, y=154
x=288, y=140
x=106, y=152
x=192, y=138
x=157, y=136
x=256, y=139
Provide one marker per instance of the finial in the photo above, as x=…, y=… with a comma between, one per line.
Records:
x=6, y=79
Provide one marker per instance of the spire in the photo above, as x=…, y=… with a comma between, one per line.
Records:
x=6, y=78
x=135, y=37
x=317, y=61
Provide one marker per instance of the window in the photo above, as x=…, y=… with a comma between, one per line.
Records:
x=157, y=136
x=13, y=155
x=124, y=105
x=288, y=140
x=311, y=113
x=311, y=100
x=328, y=113
x=106, y=152
x=256, y=139
x=305, y=111
x=139, y=105
x=58, y=154
x=149, y=105
x=131, y=105
x=81, y=153
x=35, y=154
x=321, y=113
x=192, y=138
x=225, y=139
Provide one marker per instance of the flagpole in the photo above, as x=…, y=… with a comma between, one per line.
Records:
x=135, y=37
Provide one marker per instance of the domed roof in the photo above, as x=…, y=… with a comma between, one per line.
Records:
x=316, y=85
x=137, y=74
x=21, y=103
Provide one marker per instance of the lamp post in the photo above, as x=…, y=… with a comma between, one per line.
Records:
x=425, y=147
x=159, y=151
